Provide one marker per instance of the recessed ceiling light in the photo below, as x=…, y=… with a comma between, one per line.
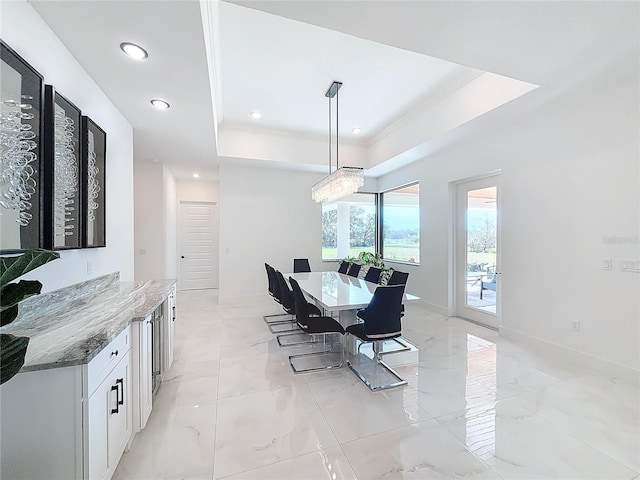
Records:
x=356, y=130
x=160, y=104
x=256, y=115
x=134, y=51
x=196, y=175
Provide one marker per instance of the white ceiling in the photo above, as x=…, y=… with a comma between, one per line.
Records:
x=176, y=71
x=279, y=57
x=264, y=69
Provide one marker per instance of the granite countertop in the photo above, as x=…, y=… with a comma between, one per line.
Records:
x=72, y=325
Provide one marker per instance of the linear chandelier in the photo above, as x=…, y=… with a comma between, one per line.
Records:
x=343, y=180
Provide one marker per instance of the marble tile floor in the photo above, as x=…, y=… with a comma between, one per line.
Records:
x=476, y=406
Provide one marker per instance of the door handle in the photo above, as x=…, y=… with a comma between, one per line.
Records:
x=121, y=382
x=115, y=410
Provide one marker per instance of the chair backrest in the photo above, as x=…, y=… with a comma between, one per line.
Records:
x=276, y=285
x=286, y=296
x=354, y=270
x=382, y=315
x=344, y=267
x=269, y=279
x=301, y=265
x=301, y=305
x=398, y=278
x=373, y=274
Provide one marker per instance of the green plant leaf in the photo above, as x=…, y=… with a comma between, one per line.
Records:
x=9, y=315
x=12, y=352
x=14, y=267
x=13, y=293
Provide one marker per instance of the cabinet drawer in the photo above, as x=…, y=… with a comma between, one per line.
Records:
x=104, y=362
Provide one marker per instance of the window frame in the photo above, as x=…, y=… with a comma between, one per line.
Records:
x=380, y=225
x=376, y=234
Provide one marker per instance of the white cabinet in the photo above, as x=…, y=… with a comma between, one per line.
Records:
x=109, y=420
x=142, y=385
x=60, y=422
x=74, y=422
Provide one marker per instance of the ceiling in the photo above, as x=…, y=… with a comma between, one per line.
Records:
x=409, y=70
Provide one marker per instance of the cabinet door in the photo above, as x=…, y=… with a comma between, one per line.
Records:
x=145, y=371
x=120, y=420
x=103, y=400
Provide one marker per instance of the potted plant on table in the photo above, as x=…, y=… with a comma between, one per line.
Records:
x=12, y=348
x=369, y=259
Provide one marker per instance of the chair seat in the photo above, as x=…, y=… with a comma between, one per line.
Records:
x=358, y=331
x=323, y=325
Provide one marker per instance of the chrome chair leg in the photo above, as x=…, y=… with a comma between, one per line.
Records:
x=292, y=358
x=285, y=327
x=300, y=333
x=275, y=316
x=377, y=359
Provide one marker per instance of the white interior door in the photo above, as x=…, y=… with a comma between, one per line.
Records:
x=198, y=246
x=477, y=262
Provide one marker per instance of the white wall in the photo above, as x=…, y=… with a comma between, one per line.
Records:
x=197, y=191
x=266, y=215
x=155, y=221
x=569, y=181
x=170, y=224
x=150, y=233
x=25, y=31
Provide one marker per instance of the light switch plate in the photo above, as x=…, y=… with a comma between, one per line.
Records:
x=606, y=264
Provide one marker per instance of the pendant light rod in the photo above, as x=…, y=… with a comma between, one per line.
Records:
x=337, y=128
x=329, y=135
x=333, y=92
x=343, y=181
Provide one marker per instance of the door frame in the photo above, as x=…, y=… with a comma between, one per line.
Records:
x=457, y=252
x=216, y=272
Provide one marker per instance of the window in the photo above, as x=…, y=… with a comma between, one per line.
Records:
x=401, y=224
x=349, y=226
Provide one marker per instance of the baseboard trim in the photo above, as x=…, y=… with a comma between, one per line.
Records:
x=436, y=308
x=597, y=363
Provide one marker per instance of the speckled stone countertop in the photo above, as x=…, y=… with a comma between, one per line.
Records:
x=71, y=325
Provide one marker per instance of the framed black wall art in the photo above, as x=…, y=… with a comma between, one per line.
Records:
x=21, y=154
x=93, y=154
x=63, y=212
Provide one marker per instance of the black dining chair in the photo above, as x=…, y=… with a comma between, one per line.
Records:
x=354, y=270
x=344, y=267
x=398, y=278
x=301, y=265
x=289, y=306
x=274, y=290
x=314, y=326
x=269, y=279
x=381, y=322
x=373, y=275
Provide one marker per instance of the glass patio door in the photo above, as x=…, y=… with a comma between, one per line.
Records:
x=478, y=275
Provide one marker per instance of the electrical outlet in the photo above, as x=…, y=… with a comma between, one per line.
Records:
x=575, y=325
x=88, y=268
x=606, y=264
